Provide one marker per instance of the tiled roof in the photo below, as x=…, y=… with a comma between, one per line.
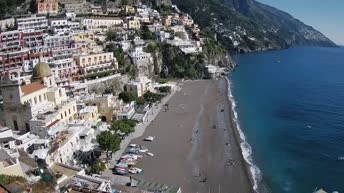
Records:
x=32, y=87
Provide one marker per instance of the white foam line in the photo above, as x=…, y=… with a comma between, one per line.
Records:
x=246, y=149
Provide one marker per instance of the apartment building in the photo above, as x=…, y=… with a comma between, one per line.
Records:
x=93, y=63
x=32, y=22
x=102, y=23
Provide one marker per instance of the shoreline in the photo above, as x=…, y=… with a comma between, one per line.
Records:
x=250, y=167
x=188, y=147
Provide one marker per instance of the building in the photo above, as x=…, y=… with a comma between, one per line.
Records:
x=20, y=50
x=102, y=23
x=4, y=23
x=84, y=183
x=76, y=6
x=12, y=52
x=89, y=113
x=32, y=22
x=63, y=146
x=133, y=23
x=47, y=6
x=8, y=142
x=63, y=65
x=127, y=112
x=62, y=25
x=140, y=86
x=142, y=60
x=94, y=63
x=10, y=165
x=40, y=107
x=186, y=46
x=18, y=187
x=58, y=41
x=108, y=106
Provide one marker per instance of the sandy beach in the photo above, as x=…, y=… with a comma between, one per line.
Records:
x=195, y=145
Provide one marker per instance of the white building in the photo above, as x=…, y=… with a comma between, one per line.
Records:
x=140, y=86
x=32, y=22
x=127, y=112
x=63, y=25
x=142, y=60
x=102, y=24
x=186, y=46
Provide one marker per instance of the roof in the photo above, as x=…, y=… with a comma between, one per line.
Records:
x=41, y=69
x=17, y=187
x=32, y=87
x=53, y=123
x=6, y=139
x=4, y=155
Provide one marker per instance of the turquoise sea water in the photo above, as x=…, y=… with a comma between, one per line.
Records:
x=291, y=108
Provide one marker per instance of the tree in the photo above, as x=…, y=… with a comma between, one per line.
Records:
x=112, y=35
x=165, y=89
x=152, y=97
x=108, y=142
x=140, y=101
x=124, y=126
x=146, y=34
x=98, y=167
x=7, y=179
x=127, y=97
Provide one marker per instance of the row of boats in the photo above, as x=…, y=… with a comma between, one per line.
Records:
x=128, y=160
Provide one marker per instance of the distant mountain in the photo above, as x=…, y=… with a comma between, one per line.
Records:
x=247, y=25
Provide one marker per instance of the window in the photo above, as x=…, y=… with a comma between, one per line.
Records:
x=69, y=111
x=27, y=126
x=65, y=113
x=35, y=99
x=40, y=98
x=60, y=92
x=15, y=123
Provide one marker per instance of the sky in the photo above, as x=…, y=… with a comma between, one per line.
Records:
x=327, y=16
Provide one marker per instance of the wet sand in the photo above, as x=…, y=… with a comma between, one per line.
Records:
x=195, y=146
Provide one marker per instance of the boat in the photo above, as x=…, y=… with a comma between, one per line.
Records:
x=149, y=138
x=150, y=154
x=135, y=170
x=122, y=165
x=133, y=145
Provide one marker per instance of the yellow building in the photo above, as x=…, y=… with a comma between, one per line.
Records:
x=133, y=23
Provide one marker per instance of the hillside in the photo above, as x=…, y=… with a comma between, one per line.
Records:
x=247, y=25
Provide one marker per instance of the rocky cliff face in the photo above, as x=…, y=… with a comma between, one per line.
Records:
x=247, y=25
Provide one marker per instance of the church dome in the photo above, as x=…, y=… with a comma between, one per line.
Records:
x=41, y=70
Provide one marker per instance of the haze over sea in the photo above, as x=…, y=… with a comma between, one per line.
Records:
x=291, y=107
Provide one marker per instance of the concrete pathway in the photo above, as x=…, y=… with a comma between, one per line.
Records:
x=139, y=131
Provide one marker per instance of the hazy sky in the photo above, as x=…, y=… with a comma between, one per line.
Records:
x=327, y=16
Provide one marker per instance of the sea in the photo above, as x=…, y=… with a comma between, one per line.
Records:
x=289, y=105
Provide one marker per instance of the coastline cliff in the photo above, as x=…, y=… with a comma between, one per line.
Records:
x=246, y=25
